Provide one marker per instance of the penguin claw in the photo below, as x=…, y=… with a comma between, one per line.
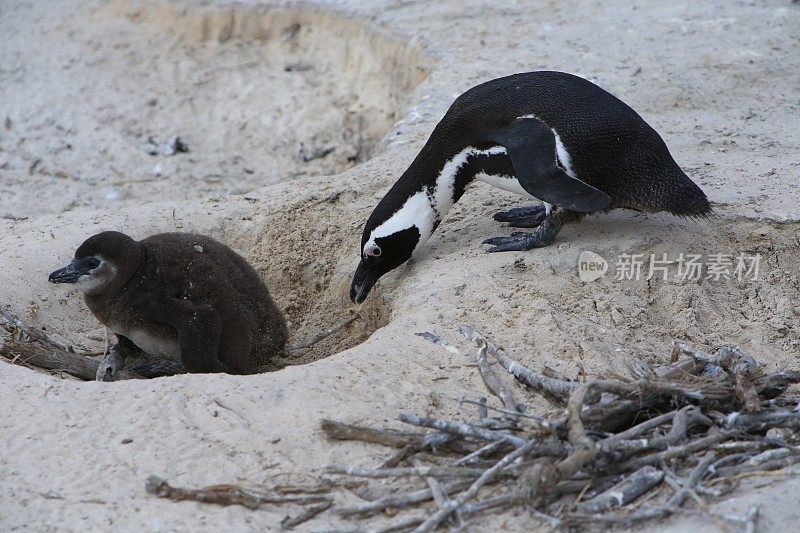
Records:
x=522, y=217
x=515, y=242
x=518, y=241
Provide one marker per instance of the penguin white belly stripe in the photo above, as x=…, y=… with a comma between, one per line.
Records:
x=446, y=180
x=423, y=210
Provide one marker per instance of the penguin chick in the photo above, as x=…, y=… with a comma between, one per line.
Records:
x=180, y=297
x=546, y=135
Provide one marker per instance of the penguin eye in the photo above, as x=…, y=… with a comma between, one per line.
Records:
x=373, y=251
x=89, y=262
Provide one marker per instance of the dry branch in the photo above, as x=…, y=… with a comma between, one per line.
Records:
x=387, y=437
x=458, y=428
x=37, y=354
x=554, y=388
x=252, y=498
x=398, y=501
x=493, y=383
x=436, y=471
x=322, y=335
x=307, y=514
x=625, y=491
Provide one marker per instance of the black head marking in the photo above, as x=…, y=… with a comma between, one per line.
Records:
x=103, y=263
x=380, y=257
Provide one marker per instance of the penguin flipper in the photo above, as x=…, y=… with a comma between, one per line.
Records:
x=531, y=146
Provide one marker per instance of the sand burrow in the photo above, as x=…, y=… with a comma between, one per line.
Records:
x=260, y=95
x=251, y=90
x=306, y=250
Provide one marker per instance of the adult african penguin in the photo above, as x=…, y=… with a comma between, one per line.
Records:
x=177, y=297
x=547, y=135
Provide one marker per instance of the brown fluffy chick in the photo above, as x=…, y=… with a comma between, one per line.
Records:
x=186, y=301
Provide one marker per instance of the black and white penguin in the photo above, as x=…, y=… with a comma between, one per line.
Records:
x=547, y=135
x=180, y=297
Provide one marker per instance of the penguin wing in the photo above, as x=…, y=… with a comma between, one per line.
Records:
x=531, y=146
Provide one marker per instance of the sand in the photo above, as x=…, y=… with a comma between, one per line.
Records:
x=83, y=88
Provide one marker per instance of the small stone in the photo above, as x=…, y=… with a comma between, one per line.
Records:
x=781, y=434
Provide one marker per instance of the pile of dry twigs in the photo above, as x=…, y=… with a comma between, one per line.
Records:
x=617, y=451
x=613, y=451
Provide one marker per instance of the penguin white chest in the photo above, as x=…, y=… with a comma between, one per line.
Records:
x=154, y=345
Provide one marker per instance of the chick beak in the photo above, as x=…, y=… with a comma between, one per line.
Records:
x=69, y=274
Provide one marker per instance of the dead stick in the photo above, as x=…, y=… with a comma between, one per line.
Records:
x=555, y=388
x=462, y=429
x=671, y=453
x=439, y=516
x=335, y=430
x=225, y=495
x=439, y=495
x=468, y=509
x=624, y=492
x=477, y=453
x=438, y=471
x=321, y=336
x=493, y=383
x=34, y=334
x=694, y=478
x=307, y=514
x=48, y=357
x=397, y=501
x=774, y=464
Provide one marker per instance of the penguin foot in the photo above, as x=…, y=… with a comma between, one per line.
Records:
x=520, y=240
x=523, y=217
x=109, y=366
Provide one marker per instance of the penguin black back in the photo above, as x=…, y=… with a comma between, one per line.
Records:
x=610, y=145
x=178, y=296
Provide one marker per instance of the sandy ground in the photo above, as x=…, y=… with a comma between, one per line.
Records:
x=82, y=88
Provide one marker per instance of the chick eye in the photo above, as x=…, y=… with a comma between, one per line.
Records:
x=373, y=251
x=93, y=263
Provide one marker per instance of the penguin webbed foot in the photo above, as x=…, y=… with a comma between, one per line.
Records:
x=110, y=365
x=544, y=235
x=517, y=241
x=523, y=217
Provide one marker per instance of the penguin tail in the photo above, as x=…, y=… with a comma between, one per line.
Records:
x=684, y=198
x=694, y=206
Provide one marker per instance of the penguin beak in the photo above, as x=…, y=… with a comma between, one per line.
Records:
x=363, y=280
x=70, y=273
